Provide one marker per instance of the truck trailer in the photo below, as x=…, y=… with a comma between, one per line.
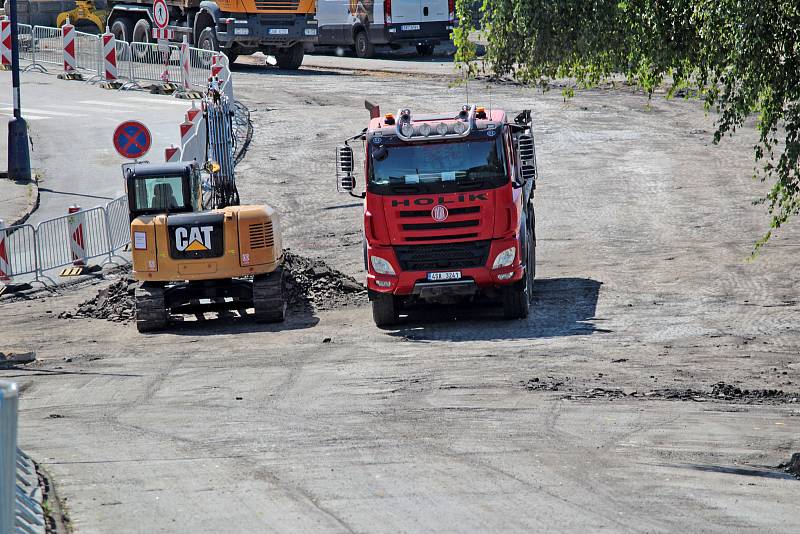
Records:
x=284, y=29
x=448, y=208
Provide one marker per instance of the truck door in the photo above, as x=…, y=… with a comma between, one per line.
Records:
x=406, y=11
x=434, y=10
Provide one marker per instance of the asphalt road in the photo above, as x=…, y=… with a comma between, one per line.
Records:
x=440, y=425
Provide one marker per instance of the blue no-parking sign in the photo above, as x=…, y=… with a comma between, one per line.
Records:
x=132, y=139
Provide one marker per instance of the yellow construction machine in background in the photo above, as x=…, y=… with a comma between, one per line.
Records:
x=85, y=11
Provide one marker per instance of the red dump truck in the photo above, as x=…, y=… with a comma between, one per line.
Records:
x=448, y=208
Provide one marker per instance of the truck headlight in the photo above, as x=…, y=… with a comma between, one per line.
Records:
x=380, y=265
x=505, y=258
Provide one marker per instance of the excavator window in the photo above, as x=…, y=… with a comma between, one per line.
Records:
x=160, y=194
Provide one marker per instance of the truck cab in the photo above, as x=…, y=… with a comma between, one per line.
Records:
x=448, y=208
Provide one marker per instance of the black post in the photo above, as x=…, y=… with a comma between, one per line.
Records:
x=19, y=159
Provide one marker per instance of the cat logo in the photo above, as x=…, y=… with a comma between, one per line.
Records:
x=194, y=239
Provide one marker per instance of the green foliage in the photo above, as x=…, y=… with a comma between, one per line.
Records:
x=741, y=57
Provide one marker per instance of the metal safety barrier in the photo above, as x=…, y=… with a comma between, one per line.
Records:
x=20, y=247
x=89, y=52
x=8, y=454
x=47, y=47
x=118, y=223
x=56, y=239
x=42, y=48
x=149, y=63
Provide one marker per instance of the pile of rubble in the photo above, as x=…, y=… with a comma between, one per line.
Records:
x=315, y=284
x=114, y=303
x=310, y=285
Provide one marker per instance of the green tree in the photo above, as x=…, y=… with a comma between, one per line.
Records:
x=741, y=57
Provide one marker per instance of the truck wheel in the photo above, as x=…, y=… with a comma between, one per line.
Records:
x=290, y=58
x=151, y=311
x=269, y=297
x=363, y=47
x=122, y=30
x=384, y=309
x=141, y=34
x=516, y=302
x=425, y=50
x=207, y=40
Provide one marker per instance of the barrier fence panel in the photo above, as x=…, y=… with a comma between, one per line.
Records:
x=56, y=239
x=124, y=65
x=20, y=244
x=119, y=228
x=25, y=39
x=148, y=63
x=89, y=52
x=47, y=48
x=199, y=66
x=8, y=455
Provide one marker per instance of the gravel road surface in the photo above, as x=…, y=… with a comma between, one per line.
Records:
x=600, y=413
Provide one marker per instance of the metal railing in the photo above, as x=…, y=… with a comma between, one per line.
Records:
x=21, y=249
x=8, y=454
x=42, y=48
x=104, y=231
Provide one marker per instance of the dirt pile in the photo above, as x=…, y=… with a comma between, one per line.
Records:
x=114, y=303
x=793, y=465
x=718, y=392
x=310, y=285
x=316, y=284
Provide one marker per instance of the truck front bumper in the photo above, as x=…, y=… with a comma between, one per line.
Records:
x=471, y=281
x=254, y=31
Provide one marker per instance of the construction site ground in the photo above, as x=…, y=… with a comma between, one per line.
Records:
x=654, y=388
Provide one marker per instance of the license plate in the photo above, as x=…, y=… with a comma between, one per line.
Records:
x=279, y=31
x=241, y=31
x=451, y=275
x=409, y=27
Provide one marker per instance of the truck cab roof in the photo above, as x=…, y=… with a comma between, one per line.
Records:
x=134, y=170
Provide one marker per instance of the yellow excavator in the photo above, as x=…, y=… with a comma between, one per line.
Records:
x=189, y=259
x=85, y=11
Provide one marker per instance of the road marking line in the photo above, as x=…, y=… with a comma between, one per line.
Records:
x=171, y=101
x=104, y=103
x=25, y=116
x=26, y=110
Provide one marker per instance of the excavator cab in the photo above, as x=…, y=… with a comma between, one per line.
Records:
x=165, y=188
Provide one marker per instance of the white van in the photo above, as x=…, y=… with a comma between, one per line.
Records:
x=365, y=24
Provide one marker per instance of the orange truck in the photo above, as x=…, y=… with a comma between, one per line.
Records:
x=285, y=29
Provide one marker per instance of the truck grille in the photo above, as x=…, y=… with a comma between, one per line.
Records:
x=443, y=229
x=261, y=235
x=277, y=5
x=435, y=257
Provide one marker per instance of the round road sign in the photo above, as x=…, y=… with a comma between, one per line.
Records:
x=160, y=13
x=132, y=139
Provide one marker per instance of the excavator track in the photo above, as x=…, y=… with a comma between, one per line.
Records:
x=151, y=312
x=269, y=297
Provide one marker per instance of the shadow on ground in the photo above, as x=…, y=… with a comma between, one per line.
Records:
x=560, y=307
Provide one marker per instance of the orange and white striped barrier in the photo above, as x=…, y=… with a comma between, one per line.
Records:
x=5, y=265
x=109, y=57
x=172, y=154
x=193, y=136
x=220, y=71
x=76, y=238
x=5, y=44
x=68, y=42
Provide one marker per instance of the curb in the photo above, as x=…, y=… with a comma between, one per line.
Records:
x=33, y=202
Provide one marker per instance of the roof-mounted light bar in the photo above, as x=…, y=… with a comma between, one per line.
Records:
x=462, y=126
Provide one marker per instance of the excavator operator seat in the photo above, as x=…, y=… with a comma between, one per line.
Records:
x=164, y=198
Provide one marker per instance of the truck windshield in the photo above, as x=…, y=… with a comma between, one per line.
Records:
x=163, y=193
x=437, y=167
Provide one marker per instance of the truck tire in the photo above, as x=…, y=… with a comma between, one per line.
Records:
x=151, y=311
x=269, y=297
x=384, y=310
x=122, y=29
x=362, y=45
x=516, y=301
x=207, y=40
x=141, y=34
x=290, y=58
x=425, y=50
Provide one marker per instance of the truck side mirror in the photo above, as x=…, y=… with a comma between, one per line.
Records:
x=345, y=180
x=527, y=157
